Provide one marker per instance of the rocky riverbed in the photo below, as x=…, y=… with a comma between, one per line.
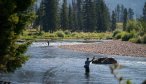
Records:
x=115, y=47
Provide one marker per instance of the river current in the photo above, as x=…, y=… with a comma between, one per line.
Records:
x=53, y=65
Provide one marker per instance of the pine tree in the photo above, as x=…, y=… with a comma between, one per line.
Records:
x=64, y=16
x=118, y=12
x=86, y=14
x=40, y=14
x=50, y=16
x=13, y=19
x=89, y=16
x=79, y=15
x=144, y=12
x=70, y=18
x=125, y=18
x=93, y=19
x=122, y=13
x=130, y=14
x=103, y=16
x=75, y=17
x=113, y=26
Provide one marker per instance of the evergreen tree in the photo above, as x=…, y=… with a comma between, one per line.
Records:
x=40, y=13
x=103, y=16
x=89, y=16
x=118, y=12
x=13, y=19
x=79, y=15
x=125, y=18
x=75, y=18
x=130, y=14
x=50, y=16
x=75, y=22
x=93, y=19
x=113, y=26
x=86, y=14
x=144, y=12
x=64, y=16
x=122, y=13
x=70, y=18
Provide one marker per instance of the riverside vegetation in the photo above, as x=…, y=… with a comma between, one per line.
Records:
x=135, y=32
x=34, y=34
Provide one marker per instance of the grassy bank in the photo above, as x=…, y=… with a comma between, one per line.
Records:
x=34, y=34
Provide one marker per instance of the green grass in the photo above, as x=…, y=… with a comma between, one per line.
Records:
x=120, y=26
x=34, y=34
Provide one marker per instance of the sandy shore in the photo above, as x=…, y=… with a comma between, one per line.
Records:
x=114, y=47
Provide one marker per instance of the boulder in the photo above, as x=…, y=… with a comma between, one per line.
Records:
x=104, y=61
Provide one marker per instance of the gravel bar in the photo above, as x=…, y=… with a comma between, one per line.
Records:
x=114, y=47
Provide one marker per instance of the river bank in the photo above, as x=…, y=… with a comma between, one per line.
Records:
x=115, y=47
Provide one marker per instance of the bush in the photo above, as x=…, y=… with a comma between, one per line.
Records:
x=67, y=32
x=136, y=39
x=60, y=34
x=118, y=36
x=132, y=24
x=139, y=40
x=144, y=39
x=126, y=36
x=52, y=35
x=74, y=34
x=141, y=33
x=129, y=82
x=109, y=37
x=116, y=32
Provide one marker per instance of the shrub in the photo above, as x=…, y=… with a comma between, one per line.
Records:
x=60, y=34
x=40, y=33
x=74, y=34
x=51, y=35
x=126, y=36
x=144, y=39
x=135, y=25
x=141, y=33
x=116, y=32
x=133, y=40
x=136, y=40
x=139, y=40
x=67, y=32
x=132, y=24
x=109, y=37
x=118, y=36
x=129, y=82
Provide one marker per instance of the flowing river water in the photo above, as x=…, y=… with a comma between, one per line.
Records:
x=53, y=65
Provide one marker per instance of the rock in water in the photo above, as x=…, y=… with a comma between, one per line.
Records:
x=104, y=61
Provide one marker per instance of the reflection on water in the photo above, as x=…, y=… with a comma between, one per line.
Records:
x=52, y=65
x=87, y=75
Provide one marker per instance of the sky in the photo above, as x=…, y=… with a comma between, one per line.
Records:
x=136, y=5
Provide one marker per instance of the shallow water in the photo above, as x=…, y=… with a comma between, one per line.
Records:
x=53, y=65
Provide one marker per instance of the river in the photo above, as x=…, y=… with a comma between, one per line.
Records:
x=53, y=65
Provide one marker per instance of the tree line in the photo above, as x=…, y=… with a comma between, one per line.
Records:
x=80, y=15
